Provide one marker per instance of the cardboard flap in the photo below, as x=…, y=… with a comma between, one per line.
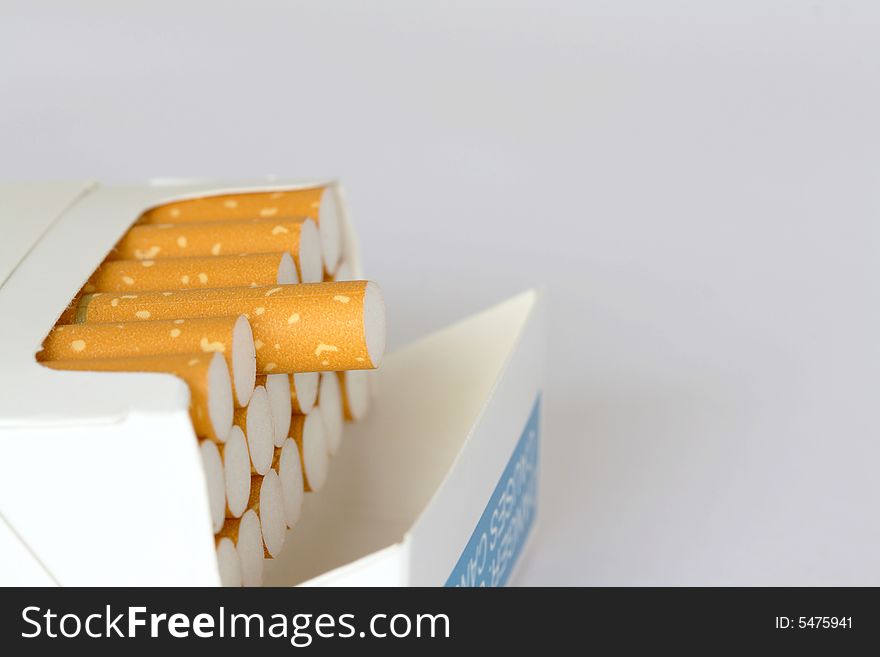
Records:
x=85, y=502
x=392, y=464
x=27, y=210
x=19, y=566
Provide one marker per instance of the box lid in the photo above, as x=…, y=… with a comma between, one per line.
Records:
x=26, y=212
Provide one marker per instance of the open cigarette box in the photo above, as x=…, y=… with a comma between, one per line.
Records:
x=101, y=482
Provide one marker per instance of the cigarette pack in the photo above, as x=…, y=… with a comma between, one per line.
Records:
x=102, y=481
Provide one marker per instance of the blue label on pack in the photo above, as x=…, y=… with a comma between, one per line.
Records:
x=498, y=538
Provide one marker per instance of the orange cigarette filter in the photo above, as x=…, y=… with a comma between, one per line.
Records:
x=192, y=273
x=297, y=328
x=299, y=237
x=319, y=203
x=231, y=336
x=206, y=375
x=265, y=205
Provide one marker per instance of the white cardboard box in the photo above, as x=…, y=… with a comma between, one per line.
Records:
x=437, y=486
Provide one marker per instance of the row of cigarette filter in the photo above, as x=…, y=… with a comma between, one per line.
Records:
x=249, y=299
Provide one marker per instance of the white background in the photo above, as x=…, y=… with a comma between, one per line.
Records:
x=695, y=183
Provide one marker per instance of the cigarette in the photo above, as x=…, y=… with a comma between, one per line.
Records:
x=252, y=269
x=330, y=408
x=303, y=392
x=246, y=534
x=373, y=382
x=236, y=472
x=355, y=386
x=267, y=501
x=255, y=421
x=206, y=375
x=278, y=388
x=320, y=203
x=308, y=433
x=213, y=467
x=230, y=335
x=297, y=328
x=289, y=468
x=343, y=273
x=299, y=237
x=228, y=563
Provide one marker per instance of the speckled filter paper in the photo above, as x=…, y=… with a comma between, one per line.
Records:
x=186, y=273
x=297, y=328
x=150, y=242
x=140, y=338
x=136, y=338
x=267, y=205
